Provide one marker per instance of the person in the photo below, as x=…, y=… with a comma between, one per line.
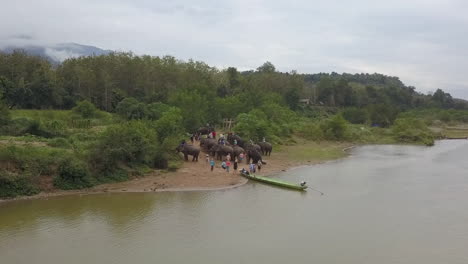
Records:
x=244, y=171
x=241, y=156
x=259, y=166
x=207, y=157
x=221, y=136
x=214, y=134
x=252, y=168
x=212, y=164
x=235, y=163
x=210, y=135
x=303, y=183
x=228, y=164
x=223, y=164
x=228, y=157
x=263, y=139
x=235, y=142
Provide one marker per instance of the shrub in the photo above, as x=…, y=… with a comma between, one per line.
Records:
x=123, y=145
x=85, y=109
x=312, y=131
x=73, y=175
x=12, y=185
x=411, y=130
x=334, y=128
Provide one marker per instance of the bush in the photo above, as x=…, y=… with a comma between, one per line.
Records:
x=411, y=130
x=85, y=109
x=127, y=144
x=312, y=131
x=334, y=128
x=12, y=185
x=73, y=175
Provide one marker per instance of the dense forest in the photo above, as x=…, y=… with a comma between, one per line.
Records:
x=104, y=118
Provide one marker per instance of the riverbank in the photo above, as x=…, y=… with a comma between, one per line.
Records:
x=196, y=176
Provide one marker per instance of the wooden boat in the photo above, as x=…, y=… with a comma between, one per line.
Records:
x=301, y=186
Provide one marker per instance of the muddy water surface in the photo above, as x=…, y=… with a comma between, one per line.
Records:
x=384, y=204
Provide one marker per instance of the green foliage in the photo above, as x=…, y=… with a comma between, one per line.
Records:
x=382, y=115
x=23, y=167
x=169, y=125
x=311, y=130
x=121, y=145
x=130, y=108
x=59, y=143
x=12, y=185
x=412, y=130
x=73, y=174
x=194, y=107
x=334, y=128
x=253, y=125
x=85, y=109
x=4, y=114
x=156, y=110
x=355, y=115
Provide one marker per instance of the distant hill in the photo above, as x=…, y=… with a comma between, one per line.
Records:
x=59, y=52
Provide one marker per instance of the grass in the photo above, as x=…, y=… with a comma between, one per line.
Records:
x=455, y=132
x=312, y=151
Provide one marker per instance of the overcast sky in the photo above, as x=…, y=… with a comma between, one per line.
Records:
x=424, y=42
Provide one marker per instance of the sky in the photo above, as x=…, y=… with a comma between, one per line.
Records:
x=424, y=42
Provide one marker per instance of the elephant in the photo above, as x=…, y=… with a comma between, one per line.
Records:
x=236, y=151
x=254, y=155
x=204, y=130
x=253, y=146
x=208, y=143
x=232, y=137
x=266, y=148
x=189, y=150
x=221, y=150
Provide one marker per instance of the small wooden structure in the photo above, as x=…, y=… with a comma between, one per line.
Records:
x=228, y=124
x=304, y=101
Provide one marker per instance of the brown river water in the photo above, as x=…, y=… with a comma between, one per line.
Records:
x=383, y=204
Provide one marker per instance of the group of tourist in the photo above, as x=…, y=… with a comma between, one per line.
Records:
x=226, y=163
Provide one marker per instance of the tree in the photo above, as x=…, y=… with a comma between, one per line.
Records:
x=4, y=114
x=194, y=108
x=267, y=67
x=130, y=108
x=85, y=109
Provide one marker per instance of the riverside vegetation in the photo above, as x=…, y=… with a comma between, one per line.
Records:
x=100, y=119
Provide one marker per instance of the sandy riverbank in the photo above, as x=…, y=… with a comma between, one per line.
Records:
x=196, y=176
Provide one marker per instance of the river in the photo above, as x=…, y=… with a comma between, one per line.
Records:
x=383, y=204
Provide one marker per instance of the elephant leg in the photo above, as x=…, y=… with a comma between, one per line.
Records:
x=186, y=157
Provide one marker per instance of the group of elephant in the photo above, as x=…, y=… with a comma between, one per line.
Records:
x=251, y=150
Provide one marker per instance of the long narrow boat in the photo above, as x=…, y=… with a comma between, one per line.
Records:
x=276, y=182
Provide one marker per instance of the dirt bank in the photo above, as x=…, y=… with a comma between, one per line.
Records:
x=197, y=175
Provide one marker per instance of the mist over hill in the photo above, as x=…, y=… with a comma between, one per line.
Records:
x=59, y=52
